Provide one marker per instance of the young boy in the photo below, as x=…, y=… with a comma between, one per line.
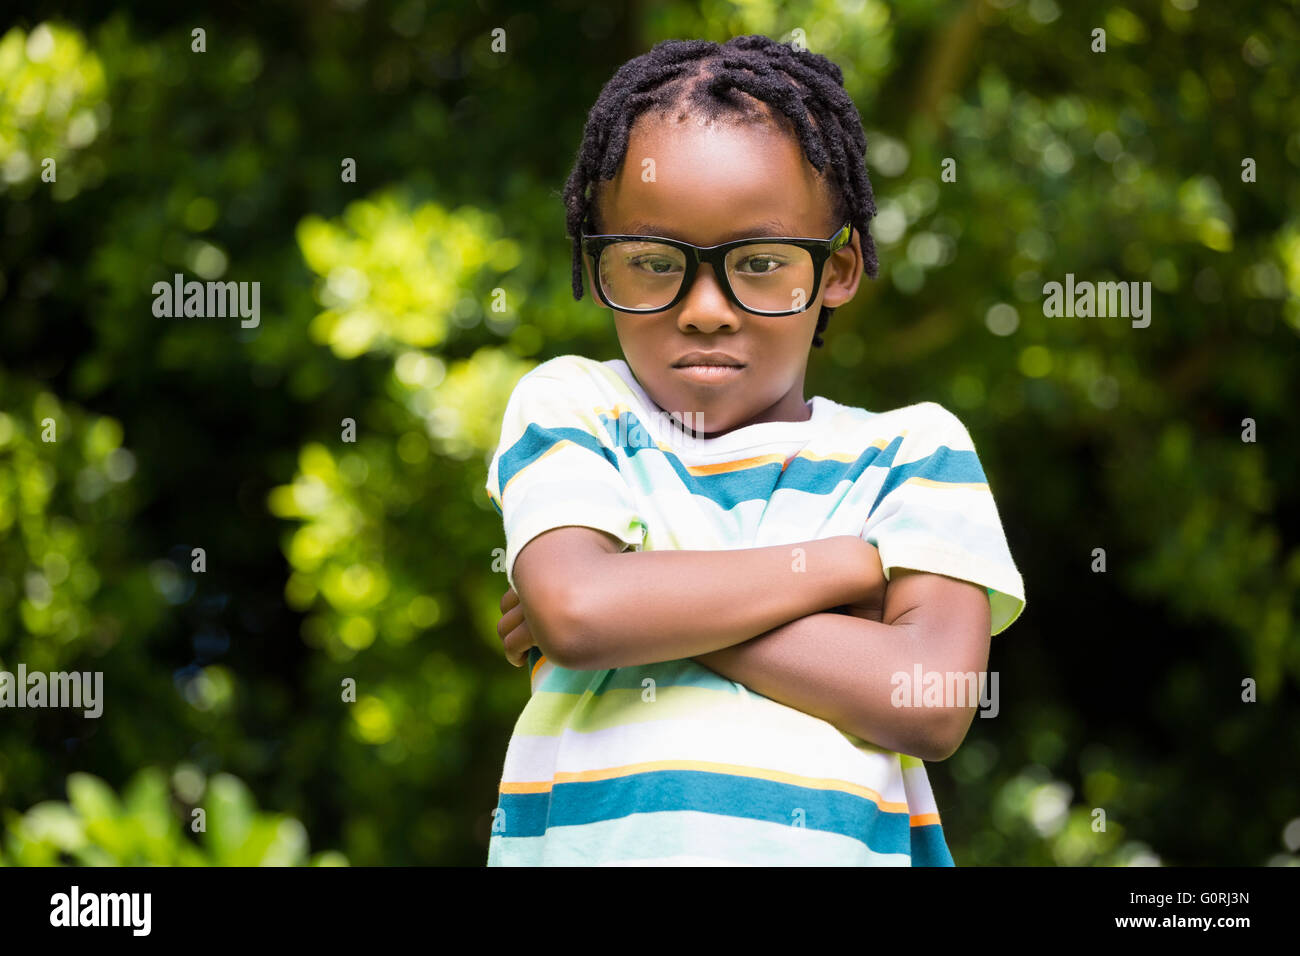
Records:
x=697, y=699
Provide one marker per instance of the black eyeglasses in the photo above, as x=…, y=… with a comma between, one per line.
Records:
x=776, y=276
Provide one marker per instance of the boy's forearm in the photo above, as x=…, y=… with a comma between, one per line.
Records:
x=840, y=668
x=645, y=607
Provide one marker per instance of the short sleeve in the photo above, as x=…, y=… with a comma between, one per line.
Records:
x=556, y=464
x=935, y=512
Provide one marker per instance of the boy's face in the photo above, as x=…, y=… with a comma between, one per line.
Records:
x=712, y=184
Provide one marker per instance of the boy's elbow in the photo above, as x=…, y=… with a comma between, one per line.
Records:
x=555, y=577
x=940, y=750
x=560, y=619
x=946, y=735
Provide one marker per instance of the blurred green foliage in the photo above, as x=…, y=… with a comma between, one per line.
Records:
x=53, y=104
x=97, y=828
x=400, y=310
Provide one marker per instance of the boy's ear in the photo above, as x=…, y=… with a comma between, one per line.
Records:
x=843, y=273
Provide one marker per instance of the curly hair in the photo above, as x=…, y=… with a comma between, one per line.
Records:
x=700, y=76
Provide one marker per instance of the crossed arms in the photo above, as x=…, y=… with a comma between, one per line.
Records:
x=761, y=616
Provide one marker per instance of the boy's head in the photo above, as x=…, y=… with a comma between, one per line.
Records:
x=737, y=134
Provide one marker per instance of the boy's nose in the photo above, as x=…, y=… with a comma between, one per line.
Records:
x=705, y=307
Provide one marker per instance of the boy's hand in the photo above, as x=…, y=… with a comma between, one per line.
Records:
x=513, y=629
x=871, y=605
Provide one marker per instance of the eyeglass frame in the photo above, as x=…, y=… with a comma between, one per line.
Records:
x=716, y=256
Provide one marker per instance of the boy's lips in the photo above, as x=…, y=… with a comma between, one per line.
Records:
x=708, y=358
x=710, y=374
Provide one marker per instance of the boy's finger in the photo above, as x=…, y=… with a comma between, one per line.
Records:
x=510, y=620
x=526, y=643
x=516, y=644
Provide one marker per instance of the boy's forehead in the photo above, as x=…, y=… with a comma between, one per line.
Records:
x=709, y=184
x=747, y=227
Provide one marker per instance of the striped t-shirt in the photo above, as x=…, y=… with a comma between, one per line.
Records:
x=671, y=763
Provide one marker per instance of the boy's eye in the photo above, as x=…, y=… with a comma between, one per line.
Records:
x=654, y=264
x=759, y=265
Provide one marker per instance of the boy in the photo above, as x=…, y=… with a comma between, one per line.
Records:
x=697, y=700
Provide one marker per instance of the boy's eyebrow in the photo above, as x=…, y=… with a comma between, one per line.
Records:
x=767, y=227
